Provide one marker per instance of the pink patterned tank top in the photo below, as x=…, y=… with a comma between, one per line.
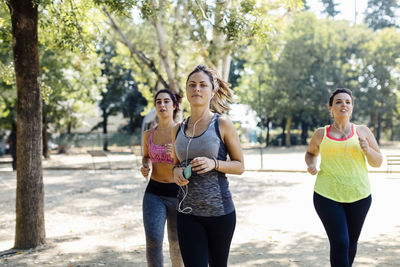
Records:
x=157, y=153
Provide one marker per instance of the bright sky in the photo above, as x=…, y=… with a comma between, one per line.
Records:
x=346, y=8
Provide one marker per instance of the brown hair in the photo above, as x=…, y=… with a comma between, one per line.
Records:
x=223, y=95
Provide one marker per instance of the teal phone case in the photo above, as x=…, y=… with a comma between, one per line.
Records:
x=187, y=172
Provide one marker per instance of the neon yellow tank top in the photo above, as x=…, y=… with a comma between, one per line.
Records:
x=343, y=174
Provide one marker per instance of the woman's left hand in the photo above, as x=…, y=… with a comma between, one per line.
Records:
x=364, y=144
x=202, y=164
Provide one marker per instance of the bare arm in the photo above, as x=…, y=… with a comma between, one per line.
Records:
x=231, y=139
x=312, y=153
x=146, y=162
x=370, y=147
x=177, y=172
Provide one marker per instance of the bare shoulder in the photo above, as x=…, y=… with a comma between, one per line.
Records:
x=225, y=122
x=175, y=129
x=319, y=134
x=146, y=133
x=363, y=131
x=226, y=126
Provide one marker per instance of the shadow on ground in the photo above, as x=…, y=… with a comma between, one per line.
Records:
x=94, y=219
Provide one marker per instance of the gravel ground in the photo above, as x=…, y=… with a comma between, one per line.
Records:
x=94, y=219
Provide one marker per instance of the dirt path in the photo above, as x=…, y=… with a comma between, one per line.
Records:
x=94, y=219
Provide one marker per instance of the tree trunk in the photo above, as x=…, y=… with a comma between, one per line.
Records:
x=105, y=137
x=164, y=55
x=378, y=128
x=46, y=153
x=304, y=133
x=216, y=49
x=13, y=144
x=268, y=133
x=391, y=132
x=288, y=125
x=226, y=66
x=69, y=127
x=30, y=227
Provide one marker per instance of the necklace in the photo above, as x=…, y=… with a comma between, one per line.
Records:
x=344, y=134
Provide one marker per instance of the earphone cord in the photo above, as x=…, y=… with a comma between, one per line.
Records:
x=185, y=188
x=191, y=137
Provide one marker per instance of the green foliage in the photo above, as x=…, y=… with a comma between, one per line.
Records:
x=120, y=93
x=300, y=68
x=382, y=14
x=330, y=8
x=69, y=25
x=380, y=80
x=70, y=87
x=132, y=105
x=121, y=7
x=305, y=6
x=69, y=71
x=8, y=93
x=7, y=75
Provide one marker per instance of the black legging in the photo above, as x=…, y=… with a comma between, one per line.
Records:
x=343, y=223
x=205, y=240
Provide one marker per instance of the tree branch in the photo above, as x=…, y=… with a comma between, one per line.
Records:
x=133, y=50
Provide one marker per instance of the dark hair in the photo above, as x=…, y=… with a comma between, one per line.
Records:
x=176, y=99
x=339, y=91
x=223, y=94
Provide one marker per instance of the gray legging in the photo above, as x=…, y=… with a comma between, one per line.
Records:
x=156, y=211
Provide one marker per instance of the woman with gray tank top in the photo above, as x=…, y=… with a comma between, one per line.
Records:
x=206, y=214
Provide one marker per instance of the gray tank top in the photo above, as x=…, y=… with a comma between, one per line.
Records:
x=208, y=193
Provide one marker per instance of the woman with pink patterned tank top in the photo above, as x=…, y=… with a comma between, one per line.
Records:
x=159, y=201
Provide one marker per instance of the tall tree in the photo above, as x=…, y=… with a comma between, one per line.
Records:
x=119, y=82
x=62, y=23
x=299, y=69
x=380, y=80
x=30, y=227
x=71, y=86
x=382, y=14
x=330, y=8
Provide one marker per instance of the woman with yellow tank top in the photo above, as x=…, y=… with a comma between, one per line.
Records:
x=342, y=194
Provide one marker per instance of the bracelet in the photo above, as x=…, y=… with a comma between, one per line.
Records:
x=216, y=164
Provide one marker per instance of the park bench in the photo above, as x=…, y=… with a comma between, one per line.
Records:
x=392, y=160
x=99, y=153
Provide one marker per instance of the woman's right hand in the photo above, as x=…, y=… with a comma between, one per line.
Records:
x=178, y=176
x=312, y=169
x=145, y=170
